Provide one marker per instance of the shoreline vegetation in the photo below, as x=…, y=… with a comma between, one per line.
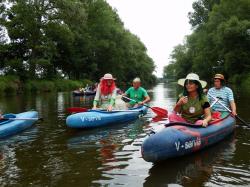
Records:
x=46, y=44
x=11, y=85
x=219, y=43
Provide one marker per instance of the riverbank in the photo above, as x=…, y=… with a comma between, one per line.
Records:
x=11, y=85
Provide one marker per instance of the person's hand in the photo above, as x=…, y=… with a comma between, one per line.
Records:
x=204, y=123
x=1, y=116
x=234, y=113
x=183, y=100
x=94, y=108
x=205, y=91
x=109, y=108
x=140, y=103
x=136, y=105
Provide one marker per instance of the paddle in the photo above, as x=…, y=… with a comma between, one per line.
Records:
x=21, y=119
x=81, y=109
x=157, y=110
x=245, y=123
x=76, y=109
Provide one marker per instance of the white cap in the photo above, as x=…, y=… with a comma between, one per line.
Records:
x=137, y=79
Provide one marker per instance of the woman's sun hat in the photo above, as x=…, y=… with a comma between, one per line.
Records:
x=194, y=77
x=108, y=76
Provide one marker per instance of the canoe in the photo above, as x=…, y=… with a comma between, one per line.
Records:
x=11, y=127
x=82, y=93
x=95, y=118
x=180, y=139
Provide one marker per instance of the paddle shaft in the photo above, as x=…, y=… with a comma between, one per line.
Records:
x=114, y=110
x=158, y=111
x=22, y=118
x=81, y=109
x=229, y=110
x=136, y=102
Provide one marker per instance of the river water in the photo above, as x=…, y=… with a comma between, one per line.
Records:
x=49, y=154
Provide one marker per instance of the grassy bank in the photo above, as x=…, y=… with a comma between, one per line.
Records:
x=10, y=85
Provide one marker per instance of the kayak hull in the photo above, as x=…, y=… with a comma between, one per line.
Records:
x=94, y=118
x=179, y=140
x=86, y=93
x=11, y=127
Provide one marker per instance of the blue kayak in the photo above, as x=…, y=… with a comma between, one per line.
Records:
x=12, y=126
x=95, y=118
x=180, y=139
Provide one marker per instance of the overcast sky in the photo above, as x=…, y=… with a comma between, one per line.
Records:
x=160, y=24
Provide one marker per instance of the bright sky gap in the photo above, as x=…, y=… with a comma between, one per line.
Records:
x=160, y=24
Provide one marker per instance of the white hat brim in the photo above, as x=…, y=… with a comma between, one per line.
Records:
x=182, y=81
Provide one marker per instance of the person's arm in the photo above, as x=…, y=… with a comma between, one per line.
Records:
x=97, y=97
x=183, y=100
x=232, y=102
x=127, y=93
x=233, y=108
x=146, y=98
x=208, y=117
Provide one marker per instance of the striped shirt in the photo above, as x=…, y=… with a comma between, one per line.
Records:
x=225, y=94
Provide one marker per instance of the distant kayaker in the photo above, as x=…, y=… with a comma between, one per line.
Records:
x=223, y=94
x=137, y=93
x=105, y=93
x=192, y=104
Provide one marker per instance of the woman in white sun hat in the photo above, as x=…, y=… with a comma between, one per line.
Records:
x=105, y=93
x=192, y=104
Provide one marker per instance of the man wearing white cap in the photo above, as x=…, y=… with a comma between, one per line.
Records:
x=137, y=93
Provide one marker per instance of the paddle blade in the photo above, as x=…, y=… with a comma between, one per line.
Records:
x=76, y=109
x=160, y=111
x=159, y=118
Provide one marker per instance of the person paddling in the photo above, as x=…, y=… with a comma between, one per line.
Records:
x=223, y=94
x=137, y=93
x=105, y=93
x=192, y=104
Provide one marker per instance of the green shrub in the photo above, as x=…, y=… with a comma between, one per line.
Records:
x=11, y=88
x=2, y=87
x=67, y=85
x=46, y=86
x=11, y=85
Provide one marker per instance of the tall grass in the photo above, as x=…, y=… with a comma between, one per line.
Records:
x=10, y=85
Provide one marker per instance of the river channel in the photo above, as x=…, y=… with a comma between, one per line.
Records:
x=50, y=154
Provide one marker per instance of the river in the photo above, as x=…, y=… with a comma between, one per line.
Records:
x=49, y=154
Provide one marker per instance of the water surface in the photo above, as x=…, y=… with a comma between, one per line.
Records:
x=49, y=154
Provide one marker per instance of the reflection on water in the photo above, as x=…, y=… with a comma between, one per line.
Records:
x=192, y=170
x=49, y=154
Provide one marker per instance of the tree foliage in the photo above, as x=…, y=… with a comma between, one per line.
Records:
x=220, y=41
x=76, y=39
